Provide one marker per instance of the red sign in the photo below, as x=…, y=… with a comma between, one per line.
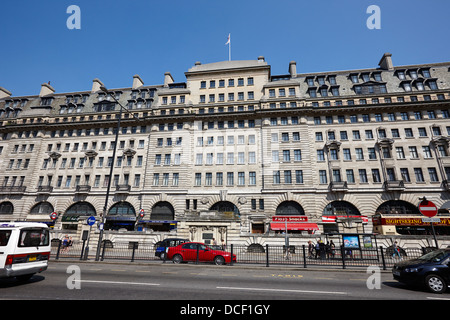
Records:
x=289, y=218
x=53, y=215
x=428, y=208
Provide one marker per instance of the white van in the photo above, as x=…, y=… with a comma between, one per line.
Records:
x=24, y=249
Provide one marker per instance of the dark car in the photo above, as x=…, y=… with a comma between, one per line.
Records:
x=431, y=270
x=162, y=246
x=188, y=252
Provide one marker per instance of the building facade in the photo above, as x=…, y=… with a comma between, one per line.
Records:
x=234, y=152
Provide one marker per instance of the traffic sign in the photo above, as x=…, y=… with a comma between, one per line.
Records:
x=428, y=208
x=53, y=215
x=91, y=220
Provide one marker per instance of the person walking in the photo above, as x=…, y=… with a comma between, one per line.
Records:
x=310, y=250
x=396, y=249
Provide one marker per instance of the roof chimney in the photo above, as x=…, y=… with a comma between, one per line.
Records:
x=46, y=89
x=137, y=81
x=4, y=93
x=168, y=79
x=386, y=62
x=96, y=84
x=293, y=69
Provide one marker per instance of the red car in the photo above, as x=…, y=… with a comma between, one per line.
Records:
x=188, y=252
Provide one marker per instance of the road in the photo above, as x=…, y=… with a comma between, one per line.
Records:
x=190, y=282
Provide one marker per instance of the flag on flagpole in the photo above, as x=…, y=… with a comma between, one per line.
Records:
x=229, y=46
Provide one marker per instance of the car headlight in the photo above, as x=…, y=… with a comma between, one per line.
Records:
x=412, y=270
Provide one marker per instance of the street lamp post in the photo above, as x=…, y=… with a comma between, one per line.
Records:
x=105, y=207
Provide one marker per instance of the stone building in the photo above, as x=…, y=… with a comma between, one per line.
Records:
x=233, y=151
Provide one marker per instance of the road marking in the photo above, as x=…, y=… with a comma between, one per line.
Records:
x=118, y=282
x=435, y=298
x=281, y=290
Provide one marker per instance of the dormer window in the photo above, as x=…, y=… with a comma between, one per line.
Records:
x=413, y=74
x=365, y=77
x=46, y=101
x=321, y=80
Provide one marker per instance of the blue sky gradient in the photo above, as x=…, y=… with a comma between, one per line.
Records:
x=119, y=39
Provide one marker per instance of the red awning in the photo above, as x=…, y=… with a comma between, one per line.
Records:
x=280, y=226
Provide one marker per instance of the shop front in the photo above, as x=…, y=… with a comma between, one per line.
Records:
x=293, y=224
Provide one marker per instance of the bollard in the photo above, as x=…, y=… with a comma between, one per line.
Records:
x=304, y=256
x=59, y=248
x=134, y=249
x=267, y=255
x=231, y=248
x=382, y=258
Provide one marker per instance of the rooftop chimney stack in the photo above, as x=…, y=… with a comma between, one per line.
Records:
x=96, y=84
x=137, y=81
x=4, y=93
x=386, y=62
x=168, y=79
x=293, y=69
x=46, y=89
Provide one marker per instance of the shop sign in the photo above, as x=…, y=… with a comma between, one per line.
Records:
x=289, y=218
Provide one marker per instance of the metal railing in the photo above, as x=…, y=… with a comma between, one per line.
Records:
x=266, y=255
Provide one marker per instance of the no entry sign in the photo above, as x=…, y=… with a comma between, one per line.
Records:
x=428, y=208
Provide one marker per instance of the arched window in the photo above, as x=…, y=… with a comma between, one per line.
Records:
x=397, y=207
x=162, y=210
x=225, y=207
x=42, y=208
x=80, y=209
x=122, y=209
x=340, y=208
x=289, y=208
x=6, y=208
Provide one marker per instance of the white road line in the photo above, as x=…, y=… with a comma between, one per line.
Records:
x=282, y=290
x=118, y=282
x=436, y=298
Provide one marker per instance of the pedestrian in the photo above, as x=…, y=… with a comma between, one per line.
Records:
x=328, y=249
x=65, y=244
x=214, y=241
x=317, y=247
x=224, y=246
x=322, y=249
x=396, y=250
x=332, y=248
x=310, y=249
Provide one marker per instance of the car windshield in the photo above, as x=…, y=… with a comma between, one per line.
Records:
x=434, y=256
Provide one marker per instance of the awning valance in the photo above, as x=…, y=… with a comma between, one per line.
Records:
x=305, y=226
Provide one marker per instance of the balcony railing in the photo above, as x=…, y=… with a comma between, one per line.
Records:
x=394, y=185
x=12, y=189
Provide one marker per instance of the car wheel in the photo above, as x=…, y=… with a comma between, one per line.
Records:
x=435, y=283
x=219, y=260
x=177, y=258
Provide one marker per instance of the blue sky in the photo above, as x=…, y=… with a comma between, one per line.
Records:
x=119, y=38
